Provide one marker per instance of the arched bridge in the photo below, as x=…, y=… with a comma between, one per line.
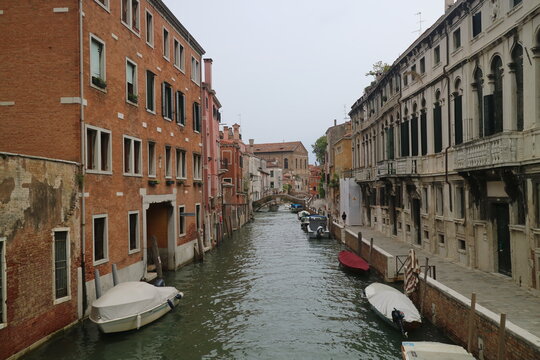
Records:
x=278, y=198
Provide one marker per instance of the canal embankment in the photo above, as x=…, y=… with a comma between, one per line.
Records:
x=445, y=298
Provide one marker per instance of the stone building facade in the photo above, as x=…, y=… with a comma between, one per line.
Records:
x=120, y=95
x=444, y=141
x=292, y=157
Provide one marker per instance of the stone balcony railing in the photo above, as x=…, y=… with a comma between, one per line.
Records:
x=363, y=175
x=503, y=149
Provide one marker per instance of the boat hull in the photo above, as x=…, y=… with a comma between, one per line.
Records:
x=314, y=235
x=131, y=322
x=352, y=262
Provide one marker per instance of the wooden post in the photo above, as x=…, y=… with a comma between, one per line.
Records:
x=157, y=258
x=359, y=243
x=471, y=322
x=200, y=244
x=370, y=249
x=425, y=286
x=502, y=331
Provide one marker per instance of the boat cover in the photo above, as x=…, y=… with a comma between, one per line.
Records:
x=425, y=350
x=350, y=259
x=130, y=298
x=385, y=298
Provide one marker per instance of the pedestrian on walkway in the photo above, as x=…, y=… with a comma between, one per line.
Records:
x=344, y=217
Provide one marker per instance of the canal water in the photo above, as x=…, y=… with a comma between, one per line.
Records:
x=267, y=293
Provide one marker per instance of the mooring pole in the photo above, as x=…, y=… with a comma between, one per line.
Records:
x=114, y=275
x=502, y=332
x=359, y=243
x=97, y=283
x=370, y=249
x=425, y=285
x=471, y=322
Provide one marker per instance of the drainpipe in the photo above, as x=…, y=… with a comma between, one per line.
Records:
x=447, y=77
x=83, y=158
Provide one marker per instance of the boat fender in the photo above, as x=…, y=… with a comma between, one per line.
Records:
x=171, y=305
x=138, y=321
x=397, y=318
x=179, y=295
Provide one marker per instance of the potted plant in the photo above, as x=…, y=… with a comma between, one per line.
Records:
x=180, y=182
x=133, y=98
x=153, y=182
x=169, y=182
x=99, y=82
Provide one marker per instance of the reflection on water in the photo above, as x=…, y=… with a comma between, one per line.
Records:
x=268, y=293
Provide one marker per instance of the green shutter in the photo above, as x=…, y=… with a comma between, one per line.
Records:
x=458, y=120
x=423, y=132
x=437, y=128
x=414, y=136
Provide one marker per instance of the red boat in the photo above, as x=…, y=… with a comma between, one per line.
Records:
x=352, y=261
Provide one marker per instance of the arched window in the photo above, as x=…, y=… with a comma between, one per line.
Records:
x=437, y=123
x=458, y=113
x=414, y=130
x=478, y=85
x=494, y=103
x=423, y=127
x=285, y=163
x=517, y=68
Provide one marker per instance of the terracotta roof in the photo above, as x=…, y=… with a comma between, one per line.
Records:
x=276, y=147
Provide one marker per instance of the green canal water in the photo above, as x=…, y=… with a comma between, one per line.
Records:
x=267, y=293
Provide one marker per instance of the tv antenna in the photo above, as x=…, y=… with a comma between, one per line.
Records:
x=420, y=21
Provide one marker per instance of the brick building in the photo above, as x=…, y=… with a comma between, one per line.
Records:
x=114, y=86
x=292, y=157
x=314, y=180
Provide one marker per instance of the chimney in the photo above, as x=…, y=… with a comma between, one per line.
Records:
x=208, y=72
x=448, y=4
x=236, y=132
x=335, y=122
x=251, y=142
x=225, y=133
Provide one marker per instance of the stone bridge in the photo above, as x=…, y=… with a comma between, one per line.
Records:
x=278, y=198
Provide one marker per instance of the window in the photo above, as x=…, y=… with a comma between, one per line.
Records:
x=478, y=87
x=132, y=156
x=457, y=38
x=100, y=239
x=425, y=200
x=413, y=73
x=180, y=164
x=437, y=55
x=130, y=14
x=405, y=138
x=167, y=100
x=181, y=220
x=98, y=150
x=197, y=167
x=97, y=62
x=405, y=79
x=149, y=29
x=179, y=60
x=166, y=48
x=516, y=2
x=494, y=103
x=422, y=65
x=151, y=158
x=104, y=4
x=195, y=70
x=180, y=108
x=517, y=67
x=150, y=91
x=441, y=238
x=462, y=245
x=61, y=264
x=477, y=24
x=414, y=135
x=460, y=202
x=168, y=162
x=133, y=228
x=286, y=163
x=437, y=125
x=439, y=200
x=198, y=215
x=131, y=82
x=3, y=286
x=196, y=117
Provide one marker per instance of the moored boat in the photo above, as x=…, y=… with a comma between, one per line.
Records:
x=317, y=228
x=425, y=350
x=131, y=305
x=351, y=261
x=393, y=307
x=295, y=208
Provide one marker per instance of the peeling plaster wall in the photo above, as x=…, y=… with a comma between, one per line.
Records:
x=37, y=196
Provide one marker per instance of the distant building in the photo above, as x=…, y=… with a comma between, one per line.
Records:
x=292, y=157
x=314, y=180
x=275, y=177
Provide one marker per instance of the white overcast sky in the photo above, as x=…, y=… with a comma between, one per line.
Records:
x=285, y=69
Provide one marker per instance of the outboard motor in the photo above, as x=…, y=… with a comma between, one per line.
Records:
x=320, y=231
x=397, y=318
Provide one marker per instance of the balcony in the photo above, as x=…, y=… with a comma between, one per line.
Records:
x=503, y=149
x=364, y=175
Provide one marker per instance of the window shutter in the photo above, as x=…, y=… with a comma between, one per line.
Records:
x=423, y=132
x=458, y=120
x=488, y=115
x=163, y=99
x=437, y=128
x=414, y=136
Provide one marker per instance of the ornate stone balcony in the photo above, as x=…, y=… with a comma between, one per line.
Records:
x=364, y=175
x=504, y=149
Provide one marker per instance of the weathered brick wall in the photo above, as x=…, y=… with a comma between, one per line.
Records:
x=36, y=196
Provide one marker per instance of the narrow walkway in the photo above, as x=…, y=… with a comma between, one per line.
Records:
x=495, y=292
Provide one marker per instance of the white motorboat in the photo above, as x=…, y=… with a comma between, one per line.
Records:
x=425, y=350
x=317, y=228
x=131, y=305
x=393, y=306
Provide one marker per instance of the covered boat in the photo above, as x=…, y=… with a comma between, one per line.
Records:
x=351, y=261
x=393, y=307
x=302, y=214
x=295, y=208
x=425, y=350
x=131, y=305
x=317, y=227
